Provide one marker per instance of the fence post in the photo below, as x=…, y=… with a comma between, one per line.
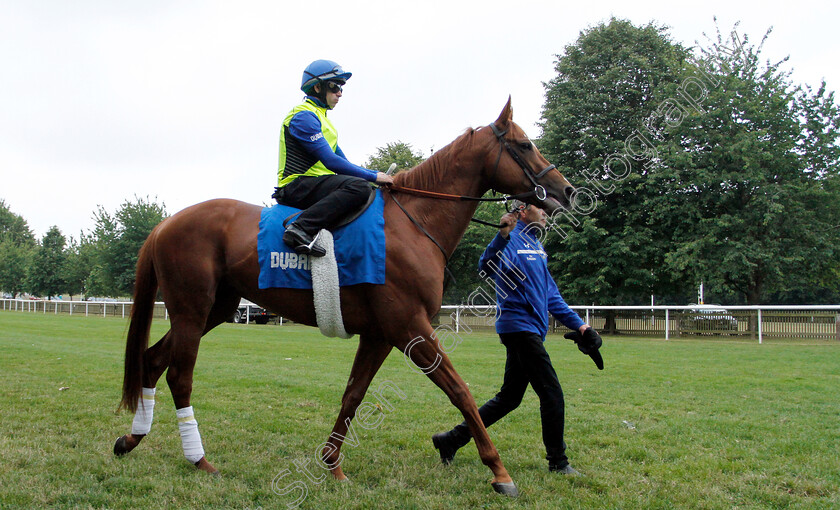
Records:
x=759, y=326
x=667, y=324
x=837, y=325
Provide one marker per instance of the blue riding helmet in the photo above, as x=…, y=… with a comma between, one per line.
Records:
x=322, y=70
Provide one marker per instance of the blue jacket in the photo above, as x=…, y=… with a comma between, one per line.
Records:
x=525, y=290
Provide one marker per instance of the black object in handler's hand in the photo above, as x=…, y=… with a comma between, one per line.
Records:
x=588, y=343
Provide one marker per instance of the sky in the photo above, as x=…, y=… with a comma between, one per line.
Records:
x=182, y=101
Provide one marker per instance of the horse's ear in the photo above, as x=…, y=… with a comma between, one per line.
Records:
x=506, y=116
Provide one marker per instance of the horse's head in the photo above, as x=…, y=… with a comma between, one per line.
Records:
x=517, y=167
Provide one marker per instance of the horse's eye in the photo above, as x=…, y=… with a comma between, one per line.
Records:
x=525, y=146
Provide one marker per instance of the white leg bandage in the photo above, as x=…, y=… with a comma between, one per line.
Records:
x=142, y=423
x=190, y=438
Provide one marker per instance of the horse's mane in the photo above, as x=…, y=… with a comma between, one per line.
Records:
x=430, y=173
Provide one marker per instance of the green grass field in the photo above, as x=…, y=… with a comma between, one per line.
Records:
x=688, y=423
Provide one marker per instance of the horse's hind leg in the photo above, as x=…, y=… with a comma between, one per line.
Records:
x=369, y=357
x=186, y=335
x=155, y=361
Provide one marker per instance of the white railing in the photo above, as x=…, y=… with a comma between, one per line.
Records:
x=781, y=321
x=755, y=321
x=90, y=308
x=86, y=308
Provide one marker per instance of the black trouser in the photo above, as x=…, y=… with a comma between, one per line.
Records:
x=527, y=362
x=325, y=199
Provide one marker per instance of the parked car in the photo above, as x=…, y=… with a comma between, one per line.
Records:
x=708, y=319
x=249, y=312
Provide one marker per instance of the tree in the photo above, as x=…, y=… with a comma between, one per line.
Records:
x=115, y=242
x=101, y=280
x=400, y=153
x=608, y=84
x=14, y=227
x=14, y=261
x=464, y=260
x=749, y=184
x=46, y=272
x=16, y=245
x=77, y=268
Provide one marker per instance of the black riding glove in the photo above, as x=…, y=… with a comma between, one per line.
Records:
x=588, y=343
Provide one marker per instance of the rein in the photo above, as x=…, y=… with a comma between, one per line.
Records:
x=445, y=196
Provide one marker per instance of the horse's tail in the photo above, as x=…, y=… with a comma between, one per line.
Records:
x=145, y=290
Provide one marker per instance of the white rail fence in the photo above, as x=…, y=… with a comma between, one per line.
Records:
x=86, y=308
x=755, y=322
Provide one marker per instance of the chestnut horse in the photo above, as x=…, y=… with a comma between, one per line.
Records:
x=204, y=259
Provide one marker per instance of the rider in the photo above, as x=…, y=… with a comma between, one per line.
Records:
x=314, y=174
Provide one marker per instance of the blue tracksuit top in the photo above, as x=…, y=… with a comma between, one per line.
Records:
x=525, y=290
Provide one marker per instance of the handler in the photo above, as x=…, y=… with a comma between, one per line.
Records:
x=522, y=323
x=314, y=174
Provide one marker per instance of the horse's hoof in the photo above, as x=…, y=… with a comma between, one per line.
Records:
x=205, y=466
x=124, y=445
x=507, y=488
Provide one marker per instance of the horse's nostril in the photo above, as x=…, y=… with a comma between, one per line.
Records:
x=569, y=191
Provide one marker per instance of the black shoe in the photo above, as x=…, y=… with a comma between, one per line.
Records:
x=446, y=446
x=564, y=470
x=298, y=240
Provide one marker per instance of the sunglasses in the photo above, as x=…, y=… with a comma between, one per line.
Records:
x=334, y=87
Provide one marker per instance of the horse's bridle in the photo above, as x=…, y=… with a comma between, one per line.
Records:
x=538, y=191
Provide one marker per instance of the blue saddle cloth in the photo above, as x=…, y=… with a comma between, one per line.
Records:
x=359, y=250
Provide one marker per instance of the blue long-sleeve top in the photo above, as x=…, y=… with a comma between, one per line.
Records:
x=525, y=290
x=306, y=128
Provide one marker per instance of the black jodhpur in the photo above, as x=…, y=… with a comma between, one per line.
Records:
x=325, y=199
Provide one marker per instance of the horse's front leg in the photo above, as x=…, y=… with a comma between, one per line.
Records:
x=370, y=355
x=425, y=354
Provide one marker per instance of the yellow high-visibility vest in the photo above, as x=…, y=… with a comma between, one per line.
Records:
x=295, y=160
